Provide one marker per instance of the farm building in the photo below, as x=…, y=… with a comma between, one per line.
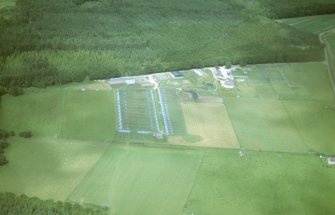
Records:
x=331, y=161
x=199, y=72
x=177, y=74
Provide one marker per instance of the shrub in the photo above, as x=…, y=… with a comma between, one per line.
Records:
x=26, y=134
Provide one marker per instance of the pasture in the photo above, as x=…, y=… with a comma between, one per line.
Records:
x=62, y=112
x=261, y=183
x=283, y=107
x=277, y=114
x=133, y=179
x=48, y=168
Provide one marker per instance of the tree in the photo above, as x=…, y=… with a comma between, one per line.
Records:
x=3, y=160
x=26, y=134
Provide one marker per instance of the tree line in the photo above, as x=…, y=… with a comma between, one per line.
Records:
x=22, y=204
x=57, y=42
x=4, y=135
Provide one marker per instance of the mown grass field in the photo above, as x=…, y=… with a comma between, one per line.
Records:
x=88, y=115
x=46, y=167
x=284, y=107
x=261, y=183
x=140, y=180
x=65, y=112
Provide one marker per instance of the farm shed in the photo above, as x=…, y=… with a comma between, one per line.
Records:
x=177, y=74
x=331, y=161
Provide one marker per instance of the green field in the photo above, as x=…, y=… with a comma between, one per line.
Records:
x=140, y=180
x=62, y=112
x=48, y=168
x=261, y=183
x=284, y=107
x=88, y=115
x=280, y=115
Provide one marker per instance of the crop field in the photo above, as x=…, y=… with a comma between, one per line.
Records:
x=314, y=24
x=140, y=180
x=261, y=183
x=211, y=122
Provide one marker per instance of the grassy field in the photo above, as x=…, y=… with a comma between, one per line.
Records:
x=261, y=183
x=211, y=122
x=75, y=155
x=283, y=107
x=38, y=112
x=140, y=180
x=314, y=24
x=88, y=115
x=66, y=112
x=46, y=167
x=264, y=125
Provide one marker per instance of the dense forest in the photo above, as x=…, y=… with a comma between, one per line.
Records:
x=55, y=42
x=24, y=205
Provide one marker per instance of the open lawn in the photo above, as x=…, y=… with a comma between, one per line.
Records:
x=134, y=179
x=261, y=184
x=211, y=122
x=47, y=168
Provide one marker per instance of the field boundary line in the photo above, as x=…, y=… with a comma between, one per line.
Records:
x=89, y=171
x=193, y=180
x=326, y=50
x=61, y=114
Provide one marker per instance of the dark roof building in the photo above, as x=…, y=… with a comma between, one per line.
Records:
x=177, y=74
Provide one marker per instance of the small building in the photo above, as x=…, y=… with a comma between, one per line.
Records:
x=177, y=74
x=159, y=135
x=199, y=72
x=331, y=161
x=130, y=81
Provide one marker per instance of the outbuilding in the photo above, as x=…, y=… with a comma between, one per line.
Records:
x=177, y=74
x=331, y=161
